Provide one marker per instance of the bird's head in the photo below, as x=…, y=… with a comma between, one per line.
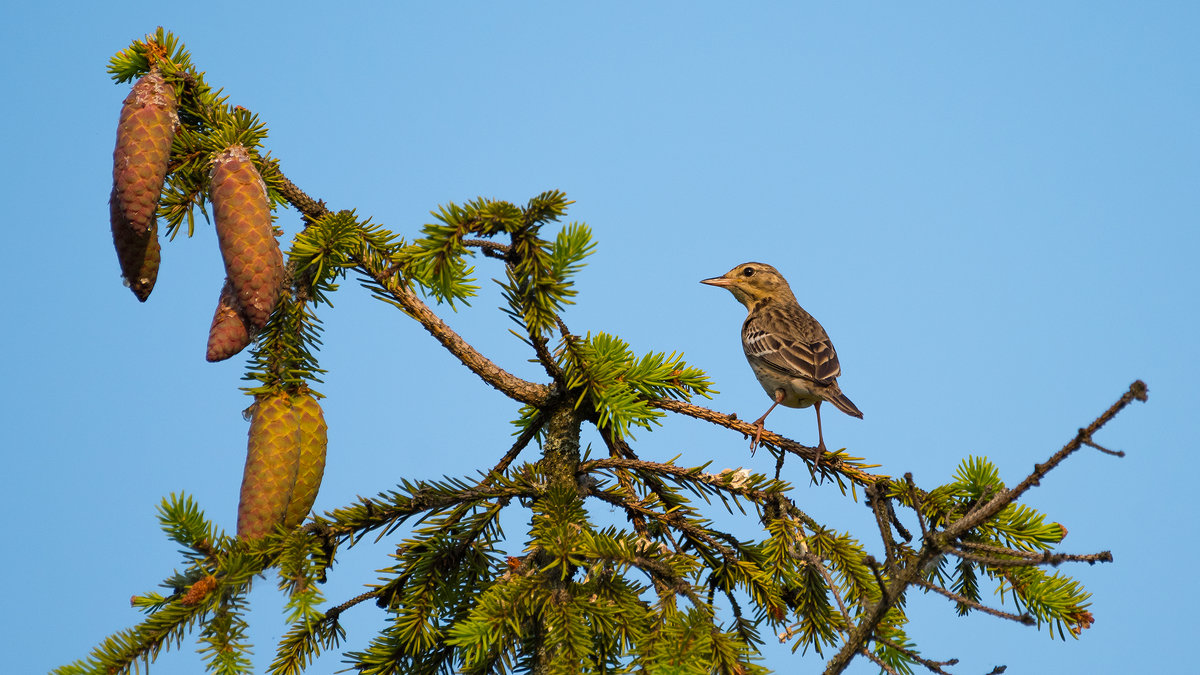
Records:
x=754, y=283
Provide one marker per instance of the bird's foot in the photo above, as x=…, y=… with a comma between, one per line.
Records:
x=758, y=429
x=820, y=454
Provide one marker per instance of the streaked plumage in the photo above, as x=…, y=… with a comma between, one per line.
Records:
x=790, y=353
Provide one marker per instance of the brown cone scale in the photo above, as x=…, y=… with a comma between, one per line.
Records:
x=242, y=212
x=313, y=440
x=139, y=254
x=272, y=455
x=144, y=133
x=230, y=332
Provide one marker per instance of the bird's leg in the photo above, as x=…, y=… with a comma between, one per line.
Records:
x=758, y=423
x=820, y=435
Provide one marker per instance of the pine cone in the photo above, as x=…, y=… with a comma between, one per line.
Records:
x=144, y=135
x=313, y=440
x=230, y=332
x=253, y=261
x=139, y=254
x=271, y=463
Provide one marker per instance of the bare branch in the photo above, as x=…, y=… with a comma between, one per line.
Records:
x=937, y=542
x=1007, y=557
x=511, y=385
x=1024, y=619
x=986, y=510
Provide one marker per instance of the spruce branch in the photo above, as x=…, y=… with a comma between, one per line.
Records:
x=936, y=543
x=831, y=464
x=1137, y=391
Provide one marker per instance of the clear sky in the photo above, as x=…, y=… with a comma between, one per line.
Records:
x=993, y=210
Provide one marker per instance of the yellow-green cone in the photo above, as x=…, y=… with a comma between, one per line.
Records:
x=144, y=133
x=313, y=440
x=229, y=333
x=242, y=213
x=272, y=460
x=139, y=254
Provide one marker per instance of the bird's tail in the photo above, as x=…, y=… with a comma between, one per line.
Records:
x=843, y=403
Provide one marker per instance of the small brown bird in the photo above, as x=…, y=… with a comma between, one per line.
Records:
x=788, y=350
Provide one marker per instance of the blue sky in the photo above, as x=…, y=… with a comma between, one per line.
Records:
x=992, y=210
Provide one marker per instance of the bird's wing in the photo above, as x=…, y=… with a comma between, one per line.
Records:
x=794, y=344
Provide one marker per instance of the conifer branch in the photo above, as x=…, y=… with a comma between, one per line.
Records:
x=937, y=543
x=829, y=462
x=986, y=510
x=511, y=385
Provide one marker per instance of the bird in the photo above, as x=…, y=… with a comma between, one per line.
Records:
x=788, y=350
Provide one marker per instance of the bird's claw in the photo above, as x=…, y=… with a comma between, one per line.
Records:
x=758, y=430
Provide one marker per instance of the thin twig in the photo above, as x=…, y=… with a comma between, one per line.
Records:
x=1114, y=453
x=492, y=249
x=334, y=612
x=1026, y=559
x=933, y=666
x=918, y=504
x=1025, y=619
x=867, y=653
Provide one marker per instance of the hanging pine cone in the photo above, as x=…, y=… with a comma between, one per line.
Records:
x=242, y=212
x=313, y=439
x=144, y=134
x=148, y=122
x=272, y=455
x=230, y=332
x=139, y=254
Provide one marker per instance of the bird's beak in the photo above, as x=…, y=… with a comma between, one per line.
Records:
x=717, y=281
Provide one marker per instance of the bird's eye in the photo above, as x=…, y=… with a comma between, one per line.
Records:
x=748, y=272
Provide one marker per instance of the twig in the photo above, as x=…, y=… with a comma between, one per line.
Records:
x=492, y=249
x=933, y=666
x=986, y=510
x=878, y=504
x=1024, y=619
x=1027, y=559
x=813, y=560
x=918, y=504
x=1114, y=453
x=535, y=425
x=867, y=653
x=715, y=480
x=335, y=612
